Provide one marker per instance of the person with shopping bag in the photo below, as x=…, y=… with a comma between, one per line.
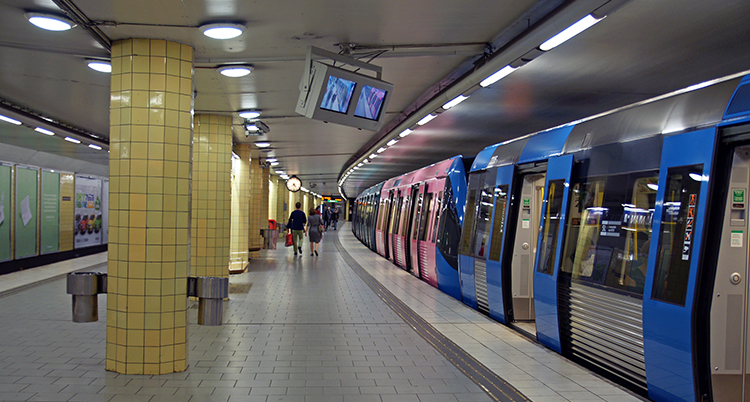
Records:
x=296, y=227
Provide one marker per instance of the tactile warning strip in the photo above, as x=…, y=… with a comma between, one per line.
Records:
x=496, y=387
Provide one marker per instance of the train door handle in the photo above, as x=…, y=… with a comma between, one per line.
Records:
x=735, y=278
x=525, y=246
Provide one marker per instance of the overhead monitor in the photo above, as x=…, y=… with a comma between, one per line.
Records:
x=339, y=96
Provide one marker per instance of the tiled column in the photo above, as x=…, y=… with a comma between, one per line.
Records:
x=273, y=194
x=150, y=151
x=210, y=230
x=258, y=206
x=240, y=207
x=282, y=200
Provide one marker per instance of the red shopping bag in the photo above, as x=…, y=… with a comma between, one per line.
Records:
x=289, y=241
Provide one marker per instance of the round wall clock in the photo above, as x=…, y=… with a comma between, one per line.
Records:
x=294, y=184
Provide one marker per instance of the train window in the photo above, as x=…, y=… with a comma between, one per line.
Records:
x=484, y=214
x=416, y=216
x=396, y=214
x=675, y=247
x=501, y=203
x=468, y=229
x=608, y=230
x=450, y=229
x=425, y=217
x=437, y=217
x=551, y=226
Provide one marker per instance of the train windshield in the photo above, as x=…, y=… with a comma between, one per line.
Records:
x=609, y=230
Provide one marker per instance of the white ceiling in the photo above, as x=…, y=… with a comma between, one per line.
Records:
x=644, y=49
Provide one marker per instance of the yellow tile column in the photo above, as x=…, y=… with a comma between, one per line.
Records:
x=258, y=215
x=282, y=203
x=238, y=256
x=211, y=193
x=150, y=167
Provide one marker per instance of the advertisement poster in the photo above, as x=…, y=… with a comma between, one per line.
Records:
x=26, y=211
x=105, y=212
x=5, y=212
x=49, y=235
x=88, y=205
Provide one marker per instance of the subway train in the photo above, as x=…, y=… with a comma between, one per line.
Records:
x=619, y=241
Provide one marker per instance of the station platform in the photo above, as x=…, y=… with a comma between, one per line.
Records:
x=346, y=326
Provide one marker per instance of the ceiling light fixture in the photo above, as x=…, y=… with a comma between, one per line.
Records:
x=9, y=120
x=222, y=30
x=100, y=66
x=262, y=144
x=458, y=99
x=426, y=119
x=93, y=146
x=43, y=131
x=373, y=156
x=381, y=150
x=392, y=142
x=497, y=76
x=274, y=163
x=569, y=32
x=279, y=172
x=73, y=140
x=235, y=71
x=249, y=114
x=405, y=133
x=50, y=22
x=271, y=160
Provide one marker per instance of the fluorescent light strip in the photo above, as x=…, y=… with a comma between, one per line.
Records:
x=426, y=119
x=381, y=150
x=392, y=142
x=94, y=146
x=373, y=156
x=405, y=133
x=9, y=120
x=43, y=131
x=458, y=99
x=497, y=76
x=73, y=140
x=569, y=32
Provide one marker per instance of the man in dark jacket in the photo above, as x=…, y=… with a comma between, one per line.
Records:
x=296, y=225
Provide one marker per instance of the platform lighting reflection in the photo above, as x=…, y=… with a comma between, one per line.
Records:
x=405, y=133
x=50, y=22
x=44, y=131
x=497, y=76
x=426, y=119
x=100, y=66
x=94, y=146
x=73, y=140
x=235, y=72
x=653, y=186
x=458, y=99
x=222, y=30
x=392, y=142
x=9, y=120
x=249, y=114
x=569, y=32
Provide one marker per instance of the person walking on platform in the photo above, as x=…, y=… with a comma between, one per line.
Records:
x=326, y=215
x=313, y=228
x=296, y=226
x=334, y=216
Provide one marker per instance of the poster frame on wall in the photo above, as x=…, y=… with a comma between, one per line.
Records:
x=88, y=205
x=49, y=214
x=6, y=204
x=26, y=213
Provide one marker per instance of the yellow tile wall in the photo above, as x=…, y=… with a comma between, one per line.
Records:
x=211, y=193
x=149, y=223
x=240, y=208
x=67, y=210
x=273, y=190
x=282, y=197
x=258, y=215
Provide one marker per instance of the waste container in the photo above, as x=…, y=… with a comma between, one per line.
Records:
x=271, y=236
x=85, y=287
x=211, y=292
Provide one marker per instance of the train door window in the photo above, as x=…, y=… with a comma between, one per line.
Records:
x=418, y=210
x=482, y=226
x=450, y=229
x=675, y=247
x=608, y=230
x=501, y=203
x=425, y=217
x=397, y=214
x=551, y=227
x=437, y=216
x=468, y=229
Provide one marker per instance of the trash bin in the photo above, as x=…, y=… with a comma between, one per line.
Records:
x=271, y=236
x=85, y=287
x=211, y=292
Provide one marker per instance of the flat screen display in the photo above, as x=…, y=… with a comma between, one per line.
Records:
x=338, y=94
x=370, y=102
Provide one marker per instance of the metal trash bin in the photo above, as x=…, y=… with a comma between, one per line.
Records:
x=271, y=236
x=85, y=287
x=211, y=292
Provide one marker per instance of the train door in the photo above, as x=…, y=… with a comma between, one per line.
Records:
x=530, y=200
x=501, y=201
x=417, y=208
x=388, y=220
x=426, y=235
x=409, y=223
x=396, y=245
x=466, y=248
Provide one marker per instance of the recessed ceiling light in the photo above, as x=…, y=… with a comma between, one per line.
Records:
x=100, y=66
x=274, y=163
x=50, y=22
x=235, y=71
x=73, y=140
x=9, y=120
x=279, y=172
x=44, y=131
x=249, y=114
x=222, y=30
x=262, y=144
